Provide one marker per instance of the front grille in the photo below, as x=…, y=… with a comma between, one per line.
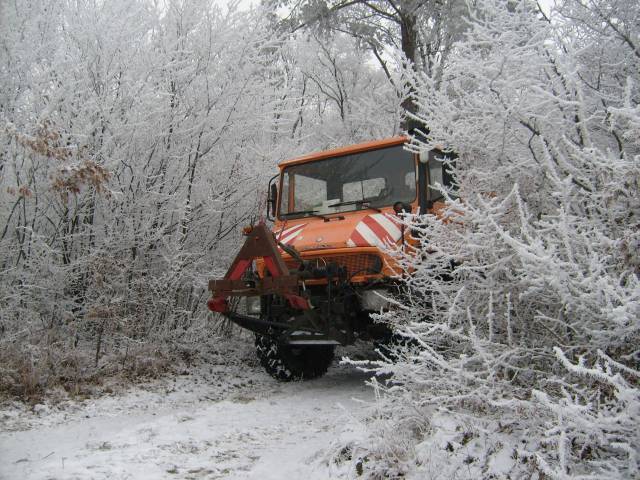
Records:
x=359, y=263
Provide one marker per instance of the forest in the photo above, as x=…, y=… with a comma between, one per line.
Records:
x=137, y=138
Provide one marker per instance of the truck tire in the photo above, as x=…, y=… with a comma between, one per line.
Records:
x=293, y=362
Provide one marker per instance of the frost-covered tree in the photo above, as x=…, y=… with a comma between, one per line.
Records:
x=521, y=313
x=346, y=98
x=397, y=33
x=129, y=137
x=136, y=138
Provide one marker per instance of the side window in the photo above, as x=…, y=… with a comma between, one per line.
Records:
x=309, y=193
x=441, y=171
x=367, y=189
x=435, y=177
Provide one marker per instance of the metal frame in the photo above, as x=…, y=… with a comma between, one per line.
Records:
x=259, y=244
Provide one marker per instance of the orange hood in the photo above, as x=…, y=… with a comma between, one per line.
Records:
x=363, y=228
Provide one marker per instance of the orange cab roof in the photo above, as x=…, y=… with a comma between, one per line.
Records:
x=339, y=152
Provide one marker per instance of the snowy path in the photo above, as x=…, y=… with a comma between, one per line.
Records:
x=259, y=429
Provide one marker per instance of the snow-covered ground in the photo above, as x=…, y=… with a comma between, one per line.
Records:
x=223, y=421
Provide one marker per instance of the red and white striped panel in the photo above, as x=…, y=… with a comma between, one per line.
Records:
x=375, y=231
x=287, y=235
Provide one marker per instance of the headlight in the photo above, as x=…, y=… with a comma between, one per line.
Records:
x=253, y=305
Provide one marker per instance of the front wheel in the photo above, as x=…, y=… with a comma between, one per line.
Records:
x=293, y=362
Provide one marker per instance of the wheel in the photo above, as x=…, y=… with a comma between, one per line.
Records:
x=293, y=362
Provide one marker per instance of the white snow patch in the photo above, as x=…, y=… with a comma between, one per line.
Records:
x=234, y=423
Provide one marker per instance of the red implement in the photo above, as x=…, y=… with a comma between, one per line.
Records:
x=259, y=244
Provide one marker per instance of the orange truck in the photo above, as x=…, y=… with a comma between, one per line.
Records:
x=312, y=281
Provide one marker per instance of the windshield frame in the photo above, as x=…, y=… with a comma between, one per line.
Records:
x=347, y=205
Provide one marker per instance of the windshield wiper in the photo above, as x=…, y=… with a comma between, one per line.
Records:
x=362, y=203
x=304, y=212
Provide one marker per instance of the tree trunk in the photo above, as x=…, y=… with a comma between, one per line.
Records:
x=409, y=42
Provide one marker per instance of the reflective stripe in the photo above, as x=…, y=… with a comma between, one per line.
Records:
x=291, y=234
x=378, y=230
x=389, y=225
x=284, y=233
x=374, y=230
x=369, y=236
x=357, y=240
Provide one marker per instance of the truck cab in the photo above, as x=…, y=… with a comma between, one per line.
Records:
x=313, y=280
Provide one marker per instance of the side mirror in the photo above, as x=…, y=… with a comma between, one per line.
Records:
x=273, y=199
x=401, y=207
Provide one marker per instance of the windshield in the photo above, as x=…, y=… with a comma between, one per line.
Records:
x=372, y=179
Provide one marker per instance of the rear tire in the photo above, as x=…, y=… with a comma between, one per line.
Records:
x=293, y=362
